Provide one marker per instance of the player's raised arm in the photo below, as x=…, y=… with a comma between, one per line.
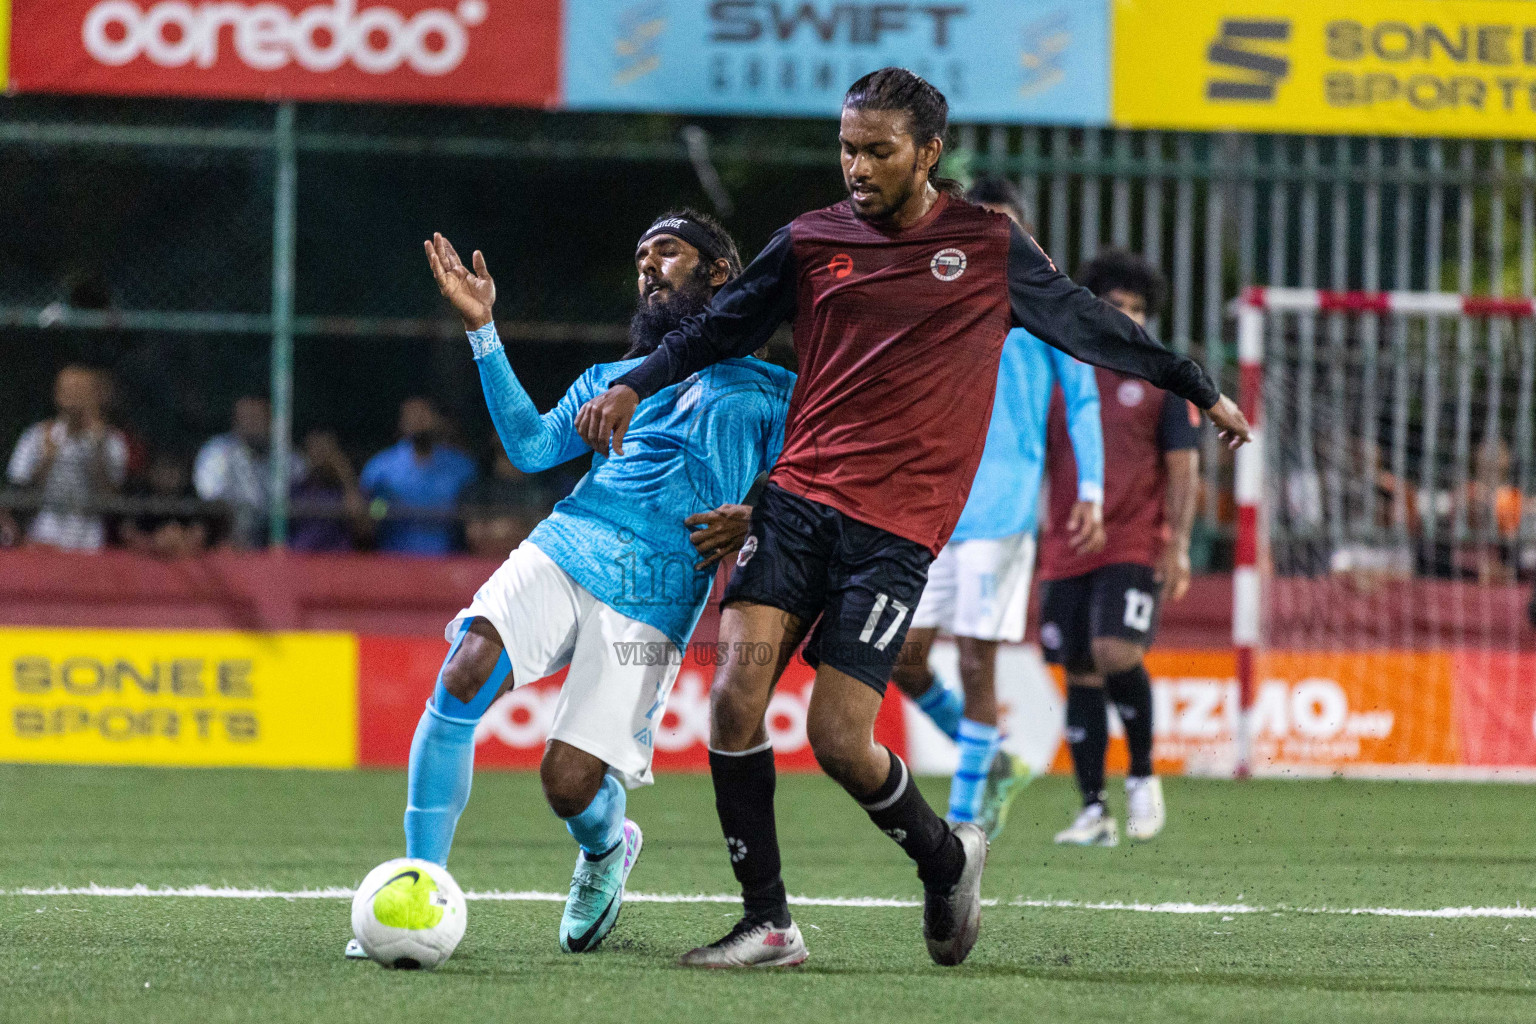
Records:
x=532, y=441
x=471, y=293
x=1047, y=304
x=739, y=321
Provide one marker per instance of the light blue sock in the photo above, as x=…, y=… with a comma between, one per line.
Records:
x=978, y=745
x=443, y=762
x=437, y=783
x=600, y=827
x=945, y=707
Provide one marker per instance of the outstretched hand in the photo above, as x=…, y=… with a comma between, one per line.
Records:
x=472, y=294
x=1231, y=424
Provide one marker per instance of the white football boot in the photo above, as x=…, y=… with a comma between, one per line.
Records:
x=751, y=944
x=952, y=919
x=355, y=950
x=1092, y=827
x=1145, y=814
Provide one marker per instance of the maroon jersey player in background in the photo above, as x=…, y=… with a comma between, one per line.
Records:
x=900, y=298
x=1098, y=614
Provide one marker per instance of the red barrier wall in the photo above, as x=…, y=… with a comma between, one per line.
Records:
x=374, y=594
x=231, y=590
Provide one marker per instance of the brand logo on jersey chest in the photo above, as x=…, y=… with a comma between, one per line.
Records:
x=1131, y=393
x=840, y=265
x=947, y=264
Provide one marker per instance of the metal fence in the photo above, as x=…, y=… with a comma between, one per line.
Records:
x=1217, y=212
x=1220, y=212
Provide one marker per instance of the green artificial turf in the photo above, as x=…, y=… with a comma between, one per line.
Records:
x=1286, y=847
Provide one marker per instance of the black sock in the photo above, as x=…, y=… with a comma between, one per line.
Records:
x=1087, y=735
x=744, y=801
x=1132, y=693
x=899, y=810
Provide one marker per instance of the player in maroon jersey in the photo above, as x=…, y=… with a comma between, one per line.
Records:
x=900, y=298
x=1098, y=614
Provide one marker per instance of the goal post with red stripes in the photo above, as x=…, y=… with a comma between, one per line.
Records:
x=1384, y=525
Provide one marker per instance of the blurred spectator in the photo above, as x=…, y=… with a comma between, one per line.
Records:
x=1372, y=553
x=233, y=468
x=1495, y=502
x=328, y=506
x=169, y=532
x=1493, y=515
x=75, y=459
x=417, y=484
x=501, y=509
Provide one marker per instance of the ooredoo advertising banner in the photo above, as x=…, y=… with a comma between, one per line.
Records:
x=396, y=676
x=178, y=697
x=1042, y=61
x=418, y=51
x=1377, y=67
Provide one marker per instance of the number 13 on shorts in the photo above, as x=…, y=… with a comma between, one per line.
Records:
x=1138, y=609
x=873, y=622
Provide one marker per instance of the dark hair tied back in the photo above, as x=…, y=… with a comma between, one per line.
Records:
x=926, y=108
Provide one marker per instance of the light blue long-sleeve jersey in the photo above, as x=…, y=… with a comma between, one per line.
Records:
x=1005, y=495
x=690, y=448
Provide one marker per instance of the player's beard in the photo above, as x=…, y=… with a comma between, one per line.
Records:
x=655, y=320
x=893, y=200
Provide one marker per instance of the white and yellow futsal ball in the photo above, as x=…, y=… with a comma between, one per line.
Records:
x=408, y=914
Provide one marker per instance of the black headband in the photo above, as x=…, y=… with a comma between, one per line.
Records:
x=690, y=231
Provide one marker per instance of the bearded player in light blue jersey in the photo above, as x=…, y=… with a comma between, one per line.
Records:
x=608, y=584
x=978, y=586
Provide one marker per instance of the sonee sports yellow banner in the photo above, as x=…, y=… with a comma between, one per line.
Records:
x=1377, y=67
x=5, y=44
x=278, y=700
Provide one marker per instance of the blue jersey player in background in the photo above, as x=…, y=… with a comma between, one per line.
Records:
x=608, y=584
x=978, y=586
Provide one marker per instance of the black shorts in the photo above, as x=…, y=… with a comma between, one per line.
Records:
x=1120, y=600
x=857, y=582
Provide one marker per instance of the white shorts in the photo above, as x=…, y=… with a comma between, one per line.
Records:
x=979, y=588
x=621, y=670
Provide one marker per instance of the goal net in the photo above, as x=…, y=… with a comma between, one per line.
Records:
x=1387, y=535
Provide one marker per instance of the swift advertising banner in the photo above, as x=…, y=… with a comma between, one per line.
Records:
x=277, y=700
x=416, y=51
x=1041, y=61
x=1376, y=67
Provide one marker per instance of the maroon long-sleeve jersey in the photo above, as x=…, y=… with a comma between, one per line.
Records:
x=898, y=335
x=1141, y=425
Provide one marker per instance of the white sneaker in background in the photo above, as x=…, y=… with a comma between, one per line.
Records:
x=1145, y=814
x=1092, y=827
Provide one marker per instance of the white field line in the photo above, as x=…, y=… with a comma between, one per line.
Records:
x=532, y=896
